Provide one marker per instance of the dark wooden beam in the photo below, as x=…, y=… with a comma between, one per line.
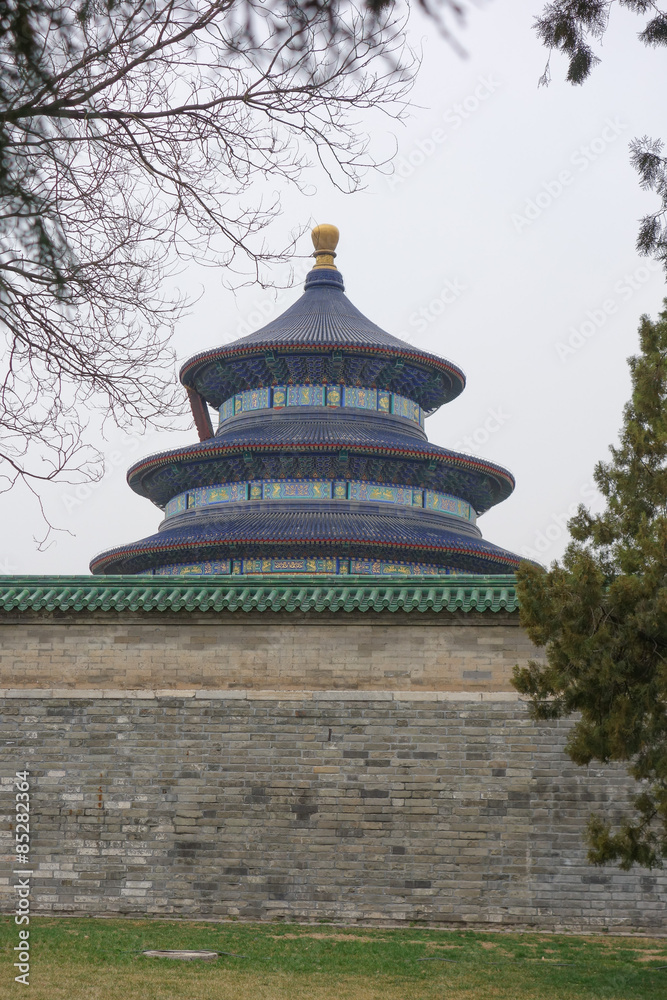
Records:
x=201, y=414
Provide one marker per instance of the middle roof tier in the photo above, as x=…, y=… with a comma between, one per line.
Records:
x=314, y=443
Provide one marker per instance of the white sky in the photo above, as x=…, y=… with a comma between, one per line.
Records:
x=441, y=254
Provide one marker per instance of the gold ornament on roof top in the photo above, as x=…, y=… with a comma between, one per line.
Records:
x=325, y=241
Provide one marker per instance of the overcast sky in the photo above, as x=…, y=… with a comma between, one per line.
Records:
x=503, y=240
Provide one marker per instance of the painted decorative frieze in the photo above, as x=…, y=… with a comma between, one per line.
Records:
x=352, y=397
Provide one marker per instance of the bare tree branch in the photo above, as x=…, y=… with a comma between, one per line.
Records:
x=131, y=134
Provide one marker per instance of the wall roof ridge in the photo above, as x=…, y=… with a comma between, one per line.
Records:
x=244, y=593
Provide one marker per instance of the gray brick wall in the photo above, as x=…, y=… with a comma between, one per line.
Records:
x=361, y=806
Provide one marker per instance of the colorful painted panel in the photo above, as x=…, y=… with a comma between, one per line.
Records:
x=286, y=489
x=319, y=489
x=329, y=566
x=255, y=399
x=364, y=399
x=279, y=397
x=305, y=395
x=257, y=565
x=227, y=409
x=320, y=395
x=175, y=506
x=402, y=407
x=449, y=505
x=303, y=565
x=195, y=569
x=380, y=494
x=376, y=567
x=312, y=566
x=384, y=402
x=426, y=570
x=321, y=565
x=229, y=493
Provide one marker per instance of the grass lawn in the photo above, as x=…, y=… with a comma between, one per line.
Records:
x=73, y=959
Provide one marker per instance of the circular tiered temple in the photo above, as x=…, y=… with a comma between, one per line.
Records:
x=320, y=463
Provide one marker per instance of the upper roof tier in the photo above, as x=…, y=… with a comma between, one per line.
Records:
x=323, y=338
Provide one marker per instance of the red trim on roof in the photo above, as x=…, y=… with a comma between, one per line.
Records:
x=128, y=551
x=219, y=353
x=168, y=458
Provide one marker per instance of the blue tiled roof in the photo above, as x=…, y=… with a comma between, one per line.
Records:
x=403, y=536
x=324, y=315
x=406, y=457
x=333, y=427
x=324, y=319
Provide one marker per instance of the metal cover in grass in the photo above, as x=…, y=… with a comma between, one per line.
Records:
x=185, y=956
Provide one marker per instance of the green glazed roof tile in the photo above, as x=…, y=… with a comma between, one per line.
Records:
x=232, y=593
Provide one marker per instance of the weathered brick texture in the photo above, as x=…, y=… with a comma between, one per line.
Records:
x=470, y=653
x=374, y=806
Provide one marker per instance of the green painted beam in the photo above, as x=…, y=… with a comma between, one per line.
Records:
x=235, y=593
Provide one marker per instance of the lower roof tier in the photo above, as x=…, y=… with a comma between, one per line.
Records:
x=245, y=533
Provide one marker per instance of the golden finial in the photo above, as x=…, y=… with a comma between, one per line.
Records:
x=325, y=241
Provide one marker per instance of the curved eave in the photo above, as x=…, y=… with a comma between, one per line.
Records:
x=306, y=535
x=205, y=451
x=105, y=558
x=117, y=594
x=195, y=367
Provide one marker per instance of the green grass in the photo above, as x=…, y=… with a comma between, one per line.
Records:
x=73, y=959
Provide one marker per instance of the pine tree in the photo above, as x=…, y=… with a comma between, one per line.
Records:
x=602, y=615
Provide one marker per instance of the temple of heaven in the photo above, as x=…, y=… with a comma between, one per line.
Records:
x=319, y=463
